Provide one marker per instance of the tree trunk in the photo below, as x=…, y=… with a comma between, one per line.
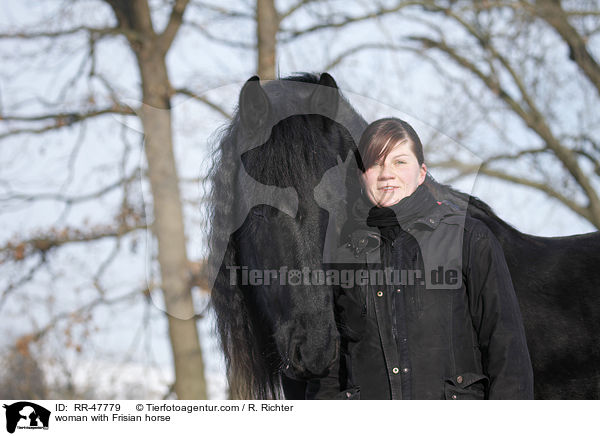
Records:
x=168, y=226
x=267, y=25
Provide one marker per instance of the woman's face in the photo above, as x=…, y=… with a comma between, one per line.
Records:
x=389, y=181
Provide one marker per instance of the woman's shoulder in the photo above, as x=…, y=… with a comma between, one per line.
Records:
x=479, y=239
x=452, y=214
x=477, y=228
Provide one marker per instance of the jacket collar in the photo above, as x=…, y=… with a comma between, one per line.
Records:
x=369, y=239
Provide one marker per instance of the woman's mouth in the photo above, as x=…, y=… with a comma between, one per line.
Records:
x=387, y=188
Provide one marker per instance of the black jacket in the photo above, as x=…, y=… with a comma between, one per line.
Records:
x=452, y=332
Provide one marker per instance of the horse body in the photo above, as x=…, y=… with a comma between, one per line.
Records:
x=288, y=136
x=557, y=283
x=558, y=287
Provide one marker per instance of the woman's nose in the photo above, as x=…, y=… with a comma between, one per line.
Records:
x=385, y=173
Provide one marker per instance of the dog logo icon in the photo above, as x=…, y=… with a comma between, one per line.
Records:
x=26, y=415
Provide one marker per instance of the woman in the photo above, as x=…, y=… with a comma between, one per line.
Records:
x=437, y=317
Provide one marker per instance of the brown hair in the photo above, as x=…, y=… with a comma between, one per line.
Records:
x=381, y=136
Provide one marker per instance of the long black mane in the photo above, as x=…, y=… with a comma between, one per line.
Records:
x=291, y=147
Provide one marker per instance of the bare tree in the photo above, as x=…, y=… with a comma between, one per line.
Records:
x=513, y=53
x=150, y=49
x=133, y=23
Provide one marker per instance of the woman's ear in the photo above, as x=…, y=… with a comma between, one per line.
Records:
x=422, y=173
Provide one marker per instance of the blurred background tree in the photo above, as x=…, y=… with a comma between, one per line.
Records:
x=107, y=110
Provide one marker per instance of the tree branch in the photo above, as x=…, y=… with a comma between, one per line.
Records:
x=63, y=119
x=552, y=12
x=367, y=46
x=211, y=104
x=175, y=21
x=134, y=19
x=532, y=118
x=95, y=32
x=55, y=238
x=235, y=44
x=21, y=281
x=292, y=34
x=294, y=8
x=226, y=12
x=465, y=169
x=83, y=309
x=74, y=199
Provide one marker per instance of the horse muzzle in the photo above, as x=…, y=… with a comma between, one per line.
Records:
x=311, y=359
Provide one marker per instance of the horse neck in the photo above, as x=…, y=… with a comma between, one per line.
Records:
x=504, y=232
x=511, y=239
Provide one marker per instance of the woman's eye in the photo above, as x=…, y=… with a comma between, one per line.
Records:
x=399, y=162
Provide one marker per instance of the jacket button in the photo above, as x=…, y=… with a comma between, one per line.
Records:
x=395, y=370
x=405, y=370
x=454, y=396
x=398, y=290
x=431, y=220
x=459, y=379
x=380, y=293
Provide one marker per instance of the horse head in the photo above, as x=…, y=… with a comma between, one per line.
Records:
x=272, y=316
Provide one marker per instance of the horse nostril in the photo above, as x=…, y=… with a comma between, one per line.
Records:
x=297, y=356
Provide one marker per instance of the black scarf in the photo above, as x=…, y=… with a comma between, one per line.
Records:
x=406, y=211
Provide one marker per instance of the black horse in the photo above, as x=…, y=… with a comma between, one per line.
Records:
x=291, y=134
x=282, y=142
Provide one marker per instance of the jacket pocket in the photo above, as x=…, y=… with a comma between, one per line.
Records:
x=350, y=394
x=466, y=386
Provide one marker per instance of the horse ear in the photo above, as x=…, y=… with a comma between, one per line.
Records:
x=254, y=104
x=325, y=98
